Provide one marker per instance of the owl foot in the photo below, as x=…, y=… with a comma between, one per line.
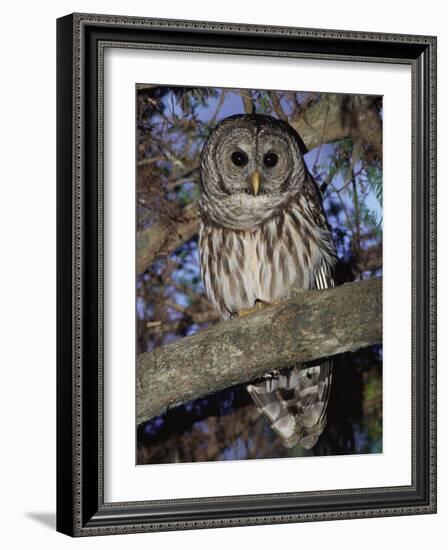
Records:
x=258, y=306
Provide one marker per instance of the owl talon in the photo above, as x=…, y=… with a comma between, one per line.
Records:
x=258, y=306
x=244, y=312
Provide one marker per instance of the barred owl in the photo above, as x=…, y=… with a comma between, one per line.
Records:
x=264, y=237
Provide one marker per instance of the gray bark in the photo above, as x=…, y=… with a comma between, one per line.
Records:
x=313, y=325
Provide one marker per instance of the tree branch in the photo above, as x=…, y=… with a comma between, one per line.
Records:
x=165, y=236
x=333, y=119
x=313, y=325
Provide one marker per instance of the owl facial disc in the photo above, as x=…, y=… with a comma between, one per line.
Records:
x=251, y=165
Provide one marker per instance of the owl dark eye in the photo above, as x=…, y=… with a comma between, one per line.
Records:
x=270, y=160
x=239, y=158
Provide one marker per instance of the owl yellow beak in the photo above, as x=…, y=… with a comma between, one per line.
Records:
x=255, y=182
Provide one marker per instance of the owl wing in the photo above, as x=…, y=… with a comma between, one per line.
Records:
x=295, y=403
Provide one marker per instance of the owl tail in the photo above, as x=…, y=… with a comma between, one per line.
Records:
x=295, y=403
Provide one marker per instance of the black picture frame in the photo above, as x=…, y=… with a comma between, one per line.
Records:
x=81, y=510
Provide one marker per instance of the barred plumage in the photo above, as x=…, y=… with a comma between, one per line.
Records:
x=266, y=246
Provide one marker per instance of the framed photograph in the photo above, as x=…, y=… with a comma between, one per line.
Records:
x=246, y=274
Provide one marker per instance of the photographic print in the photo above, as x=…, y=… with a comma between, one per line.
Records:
x=233, y=295
x=246, y=199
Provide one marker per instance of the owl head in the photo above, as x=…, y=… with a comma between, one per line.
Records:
x=251, y=165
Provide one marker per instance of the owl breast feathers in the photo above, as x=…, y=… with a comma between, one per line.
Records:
x=264, y=236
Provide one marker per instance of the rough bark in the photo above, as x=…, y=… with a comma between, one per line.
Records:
x=313, y=325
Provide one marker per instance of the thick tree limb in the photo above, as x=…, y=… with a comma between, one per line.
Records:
x=311, y=326
x=165, y=236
